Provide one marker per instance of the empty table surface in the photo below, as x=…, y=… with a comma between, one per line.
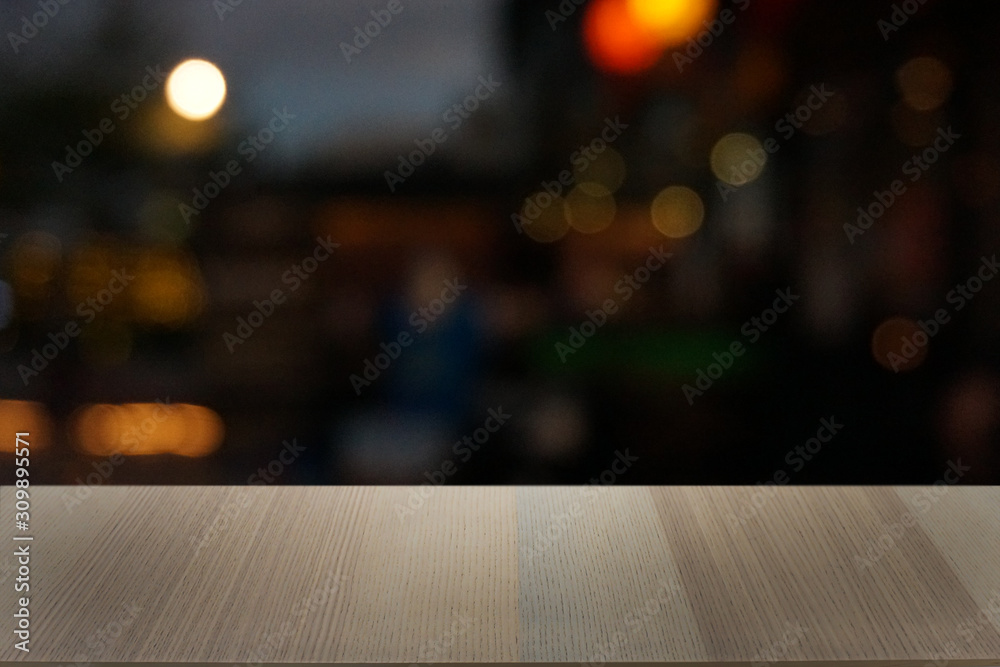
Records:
x=402, y=575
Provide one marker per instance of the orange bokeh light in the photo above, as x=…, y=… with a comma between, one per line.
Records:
x=25, y=417
x=616, y=42
x=672, y=21
x=146, y=429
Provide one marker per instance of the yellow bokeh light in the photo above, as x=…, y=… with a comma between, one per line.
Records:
x=672, y=21
x=925, y=83
x=677, y=211
x=167, y=289
x=545, y=220
x=147, y=429
x=196, y=89
x=737, y=159
x=590, y=210
x=605, y=174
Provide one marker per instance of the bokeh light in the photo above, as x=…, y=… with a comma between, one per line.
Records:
x=25, y=417
x=147, y=429
x=196, y=89
x=33, y=262
x=672, y=21
x=615, y=41
x=925, y=83
x=167, y=289
x=605, y=174
x=590, y=210
x=677, y=211
x=545, y=223
x=898, y=344
x=737, y=159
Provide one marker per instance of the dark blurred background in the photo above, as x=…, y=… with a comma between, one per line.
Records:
x=410, y=241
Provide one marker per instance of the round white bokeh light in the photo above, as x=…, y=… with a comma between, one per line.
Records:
x=196, y=89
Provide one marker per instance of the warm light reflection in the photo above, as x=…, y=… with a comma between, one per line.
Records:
x=196, y=89
x=677, y=211
x=899, y=344
x=147, y=428
x=25, y=417
x=925, y=83
x=737, y=159
x=672, y=21
x=615, y=41
x=590, y=210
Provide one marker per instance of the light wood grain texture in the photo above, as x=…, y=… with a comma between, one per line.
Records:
x=705, y=576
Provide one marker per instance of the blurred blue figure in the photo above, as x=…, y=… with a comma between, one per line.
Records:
x=437, y=374
x=430, y=386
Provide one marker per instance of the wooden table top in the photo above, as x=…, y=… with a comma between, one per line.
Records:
x=688, y=575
